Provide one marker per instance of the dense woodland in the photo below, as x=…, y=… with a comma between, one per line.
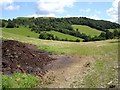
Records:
x=64, y=25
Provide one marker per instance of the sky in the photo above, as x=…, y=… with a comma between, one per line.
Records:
x=95, y=9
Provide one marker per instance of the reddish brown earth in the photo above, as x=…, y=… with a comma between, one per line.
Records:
x=25, y=58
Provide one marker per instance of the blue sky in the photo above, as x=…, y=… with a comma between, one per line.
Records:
x=59, y=8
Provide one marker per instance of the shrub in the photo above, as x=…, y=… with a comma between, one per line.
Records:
x=17, y=26
x=77, y=40
x=10, y=25
x=47, y=36
x=18, y=80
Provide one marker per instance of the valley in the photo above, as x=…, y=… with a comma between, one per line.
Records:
x=76, y=64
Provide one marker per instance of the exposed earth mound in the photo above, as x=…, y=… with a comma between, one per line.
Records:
x=25, y=58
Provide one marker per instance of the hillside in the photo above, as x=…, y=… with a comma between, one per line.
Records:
x=55, y=46
x=88, y=57
x=97, y=24
x=59, y=44
x=21, y=31
x=24, y=31
x=87, y=30
x=64, y=36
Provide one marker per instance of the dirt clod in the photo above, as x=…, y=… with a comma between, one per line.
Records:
x=112, y=86
x=87, y=64
x=25, y=58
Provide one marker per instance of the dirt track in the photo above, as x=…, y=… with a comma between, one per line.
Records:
x=67, y=69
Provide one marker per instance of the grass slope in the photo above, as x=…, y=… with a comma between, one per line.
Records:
x=64, y=36
x=105, y=53
x=87, y=30
x=81, y=48
x=21, y=31
x=112, y=30
x=27, y=33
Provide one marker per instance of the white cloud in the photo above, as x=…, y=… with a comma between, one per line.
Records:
x=53, y=6
x=12, y=7
x=8, y=5
x=113, y=11
x=5, y=1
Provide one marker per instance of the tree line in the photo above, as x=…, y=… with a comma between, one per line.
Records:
x=49, y=36
x=62, y=23
x=104, y=36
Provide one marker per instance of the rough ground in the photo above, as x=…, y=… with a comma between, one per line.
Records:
x=25, y=58
x=66, y=70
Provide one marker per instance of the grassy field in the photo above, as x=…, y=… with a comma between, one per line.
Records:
x=24, y=31
x=21, y=31
x=64, y=36
x=103, y=71
x=87, y=30
x=113, y=29
x=81, y=48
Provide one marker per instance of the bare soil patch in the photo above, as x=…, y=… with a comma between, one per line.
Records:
x=23, y=58
x=67, y=70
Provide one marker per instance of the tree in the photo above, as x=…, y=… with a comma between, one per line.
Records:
x=56, y=38
x=10, y=25
x=77, y=40
x=66, y=39
x=87, y=38
x=76, y=29
x=109, y=35
x=116, y=33
x=47, y=36
x=102, y=35
x=17, y=26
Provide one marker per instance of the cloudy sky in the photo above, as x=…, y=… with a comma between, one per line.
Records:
x=96, y=9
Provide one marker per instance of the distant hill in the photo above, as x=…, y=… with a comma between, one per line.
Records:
x=97, y=24
x=24, y=31
x=78, y=27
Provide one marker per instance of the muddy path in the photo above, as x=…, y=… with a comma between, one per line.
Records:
x=67, y=69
